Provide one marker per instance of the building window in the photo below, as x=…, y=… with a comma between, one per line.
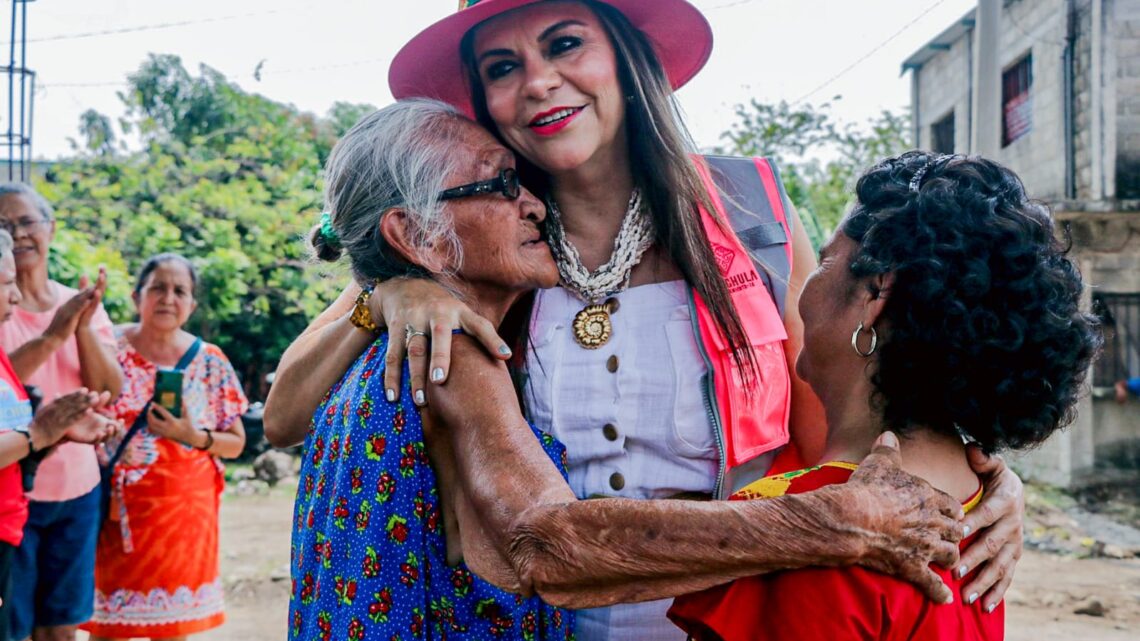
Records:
x=1120, y=314
x=1016, y=100
x=942, y=135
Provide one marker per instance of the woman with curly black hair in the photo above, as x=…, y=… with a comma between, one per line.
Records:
x=943, y=309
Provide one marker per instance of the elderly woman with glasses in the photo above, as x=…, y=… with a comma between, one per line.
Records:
x=59, y=339
x=392, y=494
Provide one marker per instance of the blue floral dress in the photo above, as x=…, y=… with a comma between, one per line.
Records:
x=368, y=554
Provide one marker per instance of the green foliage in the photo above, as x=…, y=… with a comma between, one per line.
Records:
x=819, y=158
x=227, y=178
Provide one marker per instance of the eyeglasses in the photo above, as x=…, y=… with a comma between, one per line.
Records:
x=25, y=224
x=506, y=183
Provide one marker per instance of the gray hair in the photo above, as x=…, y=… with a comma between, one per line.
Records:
x=398, y=155
x=24, y=189
x=6, y=242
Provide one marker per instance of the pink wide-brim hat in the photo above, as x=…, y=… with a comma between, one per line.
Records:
x=430, y=66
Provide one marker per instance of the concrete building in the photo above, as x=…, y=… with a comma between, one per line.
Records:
x=1051, y=88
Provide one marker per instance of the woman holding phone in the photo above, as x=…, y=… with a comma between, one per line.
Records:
x=156, y=570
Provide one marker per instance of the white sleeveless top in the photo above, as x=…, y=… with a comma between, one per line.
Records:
x=631, y=414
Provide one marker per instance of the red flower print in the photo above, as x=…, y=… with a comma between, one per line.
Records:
x=365, y=409
x=370, y=567
x=397, y=528
x=374, y=447
x=410, y=571
x=340, y=512
x=385, y=485
x=318, y=451
x=461, y=580
x=355, y=629
x=363, y=516
x=324, y=624
x=381, y=605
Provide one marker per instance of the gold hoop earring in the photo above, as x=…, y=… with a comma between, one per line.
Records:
x=855, y=341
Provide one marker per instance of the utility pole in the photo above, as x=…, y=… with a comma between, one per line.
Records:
x=16, y=135
x=987, y=107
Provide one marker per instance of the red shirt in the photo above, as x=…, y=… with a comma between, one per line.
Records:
x=830, y=603
x=15, y=413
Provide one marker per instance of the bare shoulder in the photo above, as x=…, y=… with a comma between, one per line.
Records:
x=476, y=381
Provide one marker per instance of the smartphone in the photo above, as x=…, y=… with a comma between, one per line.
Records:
x=168, y=390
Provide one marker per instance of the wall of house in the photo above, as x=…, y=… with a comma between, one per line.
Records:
x=944, y=86
x=1038, y=27
x=1123, y=25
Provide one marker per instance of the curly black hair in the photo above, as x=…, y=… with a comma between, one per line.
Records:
x=986, y=335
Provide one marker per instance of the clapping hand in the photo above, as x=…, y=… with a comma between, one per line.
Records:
x=74, y=417
x=95, y=299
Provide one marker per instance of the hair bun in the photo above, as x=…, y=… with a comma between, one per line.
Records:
x=323, y=248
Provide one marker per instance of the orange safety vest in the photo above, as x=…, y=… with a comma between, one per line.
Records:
x=753, y=249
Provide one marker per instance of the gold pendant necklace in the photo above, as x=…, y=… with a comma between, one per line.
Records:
x=592, y=326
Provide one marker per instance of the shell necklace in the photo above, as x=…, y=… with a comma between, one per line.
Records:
x=592, y=326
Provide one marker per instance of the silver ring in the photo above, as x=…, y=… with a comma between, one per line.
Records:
x=410, y=331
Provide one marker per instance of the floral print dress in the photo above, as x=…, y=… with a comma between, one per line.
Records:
x=368, y=553
x=156, y=567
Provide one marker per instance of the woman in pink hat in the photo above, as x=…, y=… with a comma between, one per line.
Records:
x=662, y=361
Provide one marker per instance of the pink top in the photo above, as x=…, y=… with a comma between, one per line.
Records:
x=72, y=469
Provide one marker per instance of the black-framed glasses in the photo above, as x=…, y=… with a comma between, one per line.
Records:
x=506, y=183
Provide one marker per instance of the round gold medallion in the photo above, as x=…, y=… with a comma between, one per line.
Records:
x=592, y=326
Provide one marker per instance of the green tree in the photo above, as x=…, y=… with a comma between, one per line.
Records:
x=819, y=158
x=228, y=178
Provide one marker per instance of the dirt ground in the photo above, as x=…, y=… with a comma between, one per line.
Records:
x=1048, y=587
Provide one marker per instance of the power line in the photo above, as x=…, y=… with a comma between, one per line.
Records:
x=730, y=5
x=264, y=72
x=867, y=55
x=161, y=25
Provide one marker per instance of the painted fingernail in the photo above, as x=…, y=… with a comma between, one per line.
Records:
x=965, y=531
x=504, y=350
x=973, y=597
x=390, y=394
x=990, y=608
x=437, y=374
x=419, y=397
x=962, y=570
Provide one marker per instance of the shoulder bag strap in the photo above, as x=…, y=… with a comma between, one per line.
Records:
x=140, y=420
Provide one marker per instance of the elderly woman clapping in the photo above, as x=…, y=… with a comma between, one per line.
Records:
x=418, y=189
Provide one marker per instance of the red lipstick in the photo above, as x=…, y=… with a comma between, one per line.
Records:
x=554, y=120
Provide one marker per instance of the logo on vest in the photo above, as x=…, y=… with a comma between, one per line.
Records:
x=741, y=281
x=724, y=257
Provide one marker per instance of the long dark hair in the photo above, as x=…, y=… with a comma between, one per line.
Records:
x=669, y=182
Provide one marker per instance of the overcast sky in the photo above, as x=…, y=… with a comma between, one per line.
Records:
x=316, y=53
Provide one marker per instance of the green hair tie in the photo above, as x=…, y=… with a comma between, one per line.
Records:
x=327, y=231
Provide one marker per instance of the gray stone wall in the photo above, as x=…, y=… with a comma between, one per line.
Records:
x=1037, y=27
x=1082, y=109
x=1124, y=30
x=944, y=86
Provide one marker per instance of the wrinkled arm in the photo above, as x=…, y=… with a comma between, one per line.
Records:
x=591, y=553
x=309, y=367
x=807, y=422
x=318, y=359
